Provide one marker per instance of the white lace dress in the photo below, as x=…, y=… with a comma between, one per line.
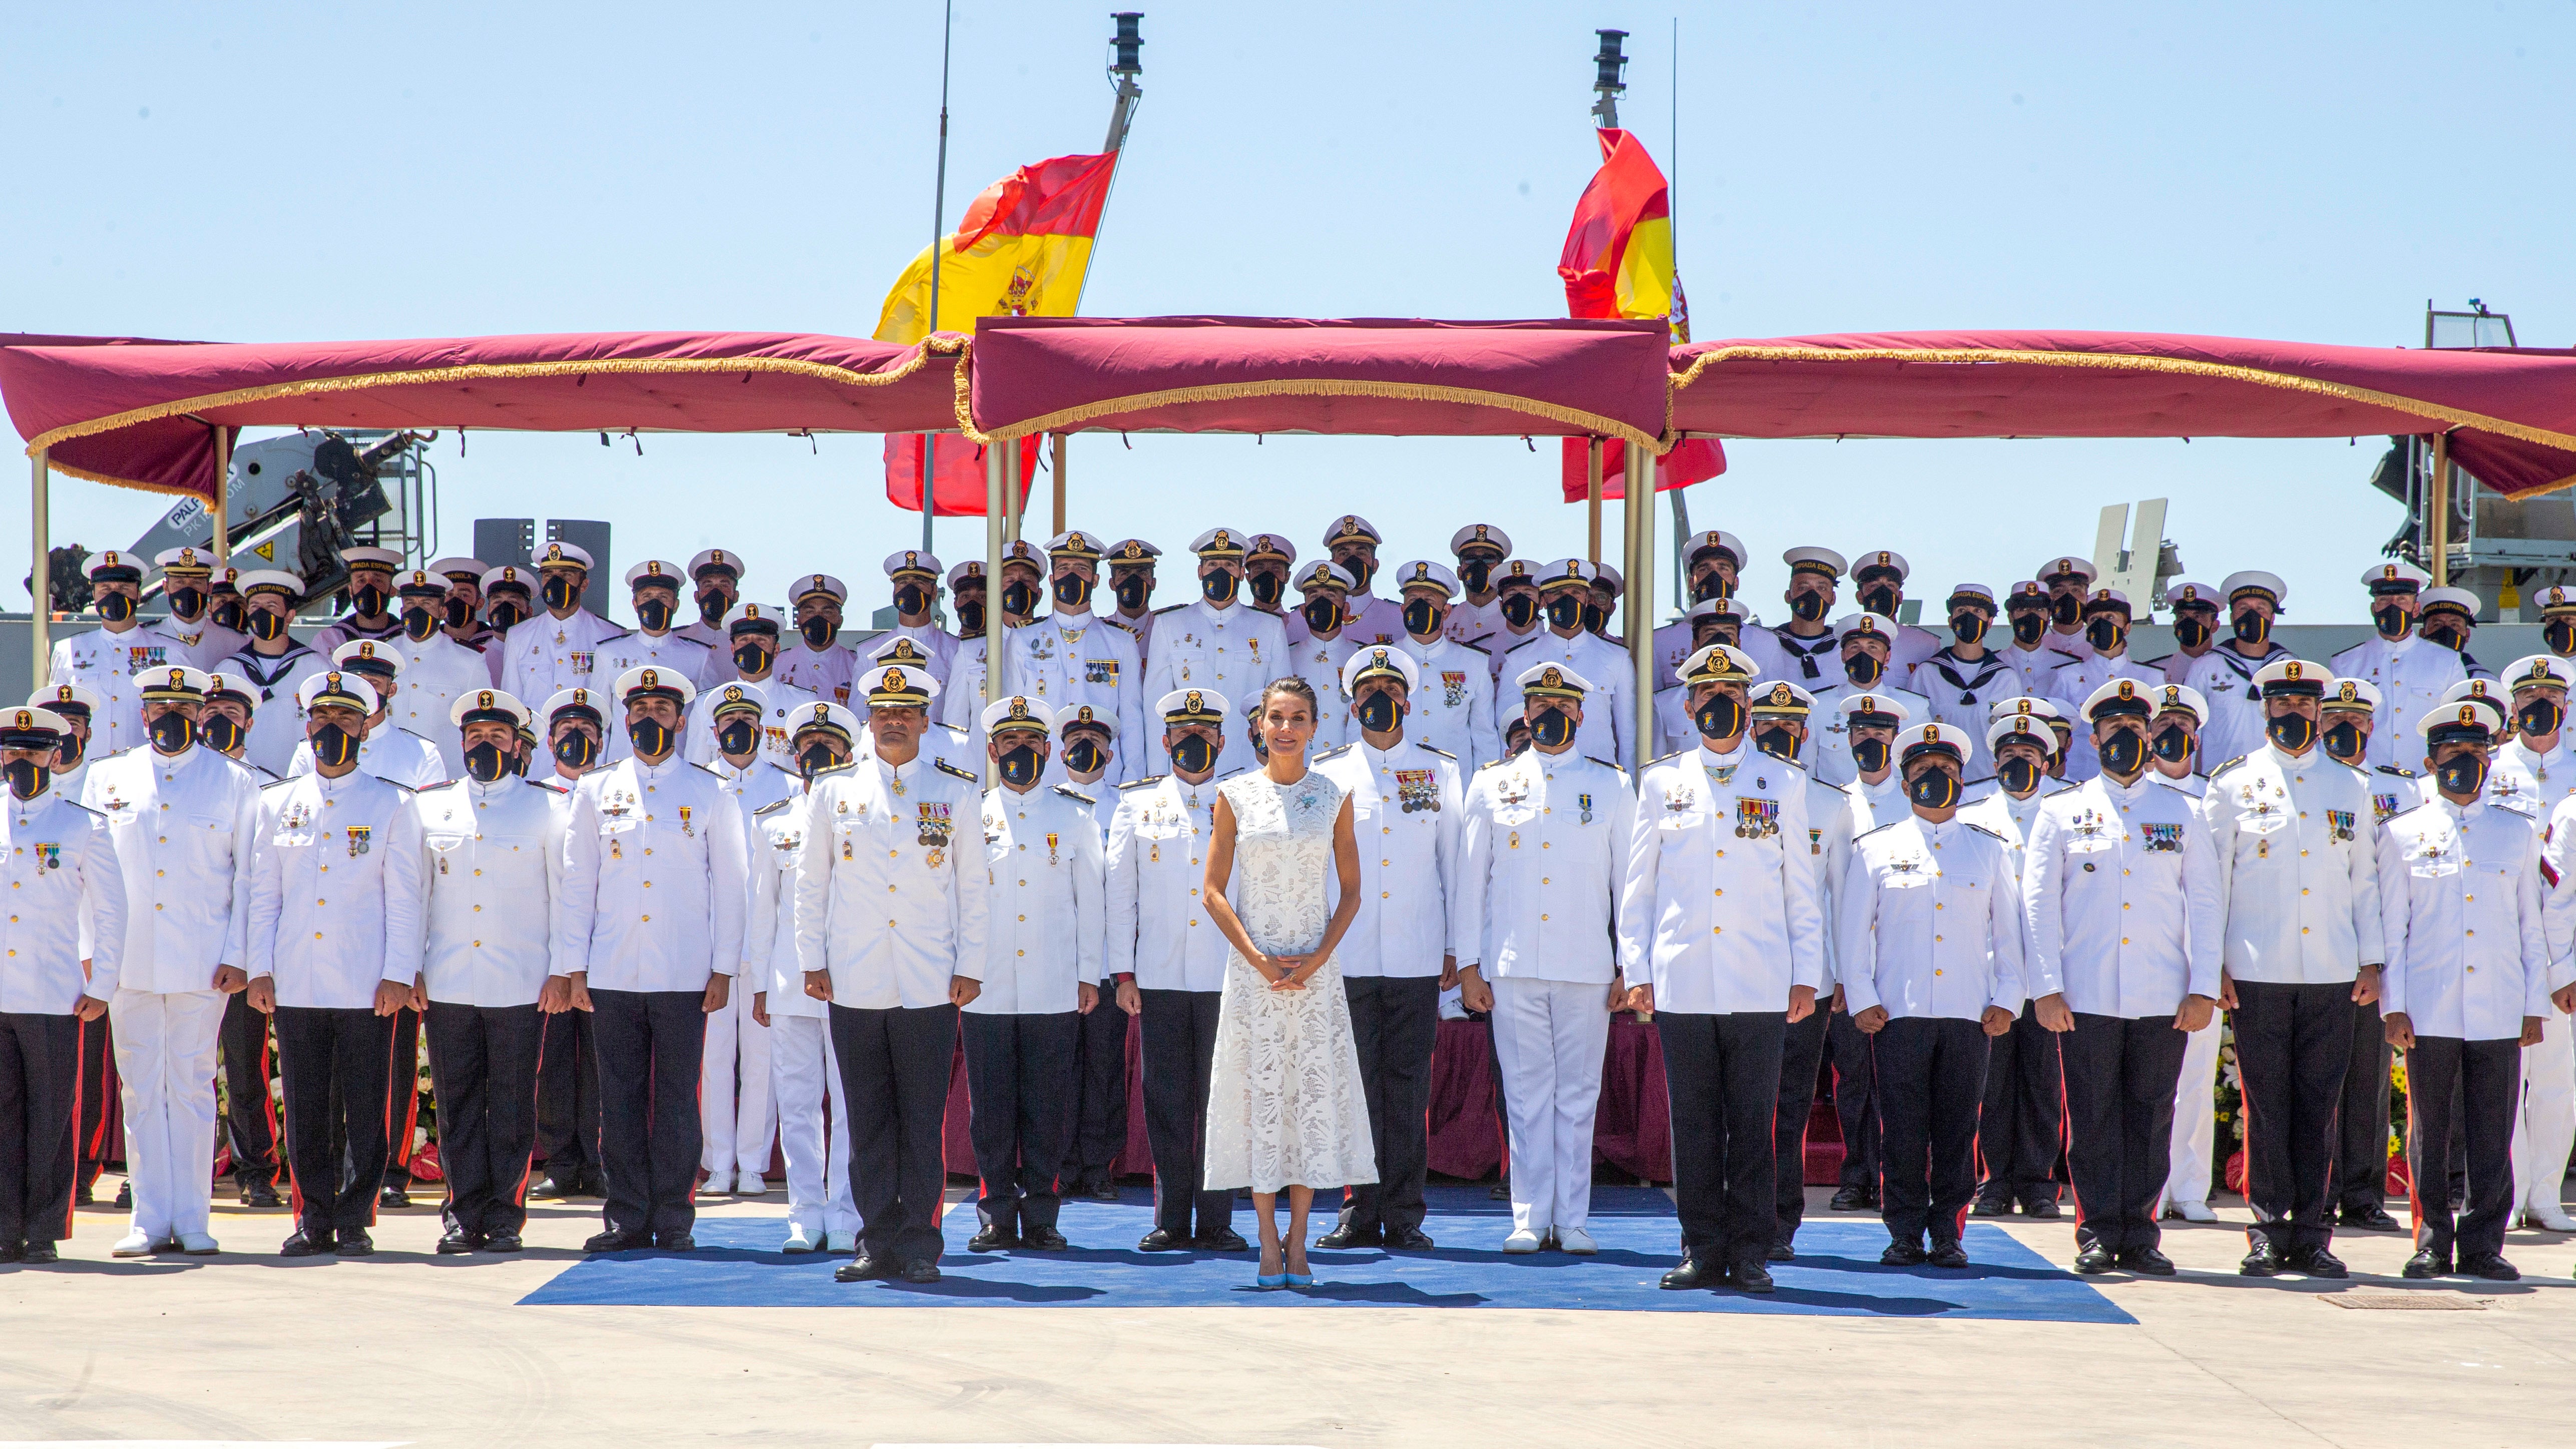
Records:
x=1285, y=1103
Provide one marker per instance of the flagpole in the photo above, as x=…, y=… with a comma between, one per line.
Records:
x=1124, y=67
x=1673, y=219
x=938, y=233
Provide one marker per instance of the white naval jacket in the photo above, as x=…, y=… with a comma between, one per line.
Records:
x=1228, y=652
x=492, y=871
x=2460, y=899
x=1609, y=710
x=653, y=878
x=1903, y=948
x=184, y=827
x=107, y=662
x=2522, y=778
x=276, y=725
x=1075, y=659
x=892, y=843
x=2112, y=878
x=1319, y=663
x=769, y=964
x=2297, y=898
x=1544, y=855
x=1049, y=875
x=2225, y=680
x=2075, y=684
x=1452, y=709
x=436, y=673
x=542, y=655
x=66, y=902
x=2411, y=674
x=1405, y=805
x=824, y=673
x=780, y=704
x=1707, y=824
x=335, y=898
x=1159, y=931
x=1829, y=734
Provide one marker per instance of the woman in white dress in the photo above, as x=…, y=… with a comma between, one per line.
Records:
x=1285, y=1106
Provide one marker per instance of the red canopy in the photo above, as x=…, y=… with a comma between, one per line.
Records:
x=2511, y=414
x=143, y=415
x=1557, y=376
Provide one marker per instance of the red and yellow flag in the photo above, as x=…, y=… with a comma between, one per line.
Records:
x=1618, y=262
x=1020, y=251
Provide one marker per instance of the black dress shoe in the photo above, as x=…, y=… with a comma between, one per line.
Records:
x=2045, y=1207
x=82, y=1197
x=125, y=1193
x=1902, y=1255
x=1103, y=1192
x=1782, y=1251
x=1164, y=1240
x=1223, y=1240
x=1853, y=1199
x=552, y=1187
x=1988, y=1207
x=615, y=1241
x=1751, y=1277
x=2374, y=1219
x=1351, y=1235
x=453, y=1243
x=2096, y=1259
x=1948, y=1255
x=991, y=1239
x=2263, y=1260
x=1695, y=1273
x=261, y=1195
x=353, y=1243
x=921, y=1270
x=861, y=1269
x=48, y=1253
x=2490, y=1266
x=393, y=1197
x=676, y=1242
x=1412, y=1240
x=1043, y=1240
x=2317, y=1263
x=1501, y=1191
x=2150, y=1261
x=302, y=1245
x=2426, y=1264
x=502, y=1243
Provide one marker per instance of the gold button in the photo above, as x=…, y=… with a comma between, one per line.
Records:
x=1936, y=905
x=2303, y=890
x=1936, y=938
x=1936, y=970
x=889, y=923
x=1024, y=953
x=648, y=850
x=2473, y=931
x=1023, y=917
x=160, y=872
x=2465, y=898
x=2303, y=930
x=2124, y=905
x=1542, y=915
x=13, y=885
x=321, y=903
x=2124, y=940
x=478, y=944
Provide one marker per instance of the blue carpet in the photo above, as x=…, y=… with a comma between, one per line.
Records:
x=1836, y=1273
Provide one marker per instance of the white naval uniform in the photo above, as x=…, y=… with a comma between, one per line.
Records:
x=1158, y=929
x=1371, y=620
x=737, y=1112
x=781, y=705
x=1473, y=623
x=1609, y=708
x=1829, y=732
x=960, y=705
x=653, y=879
x=1961, y=692
x=2527, y=780
x=1142, y=627
x=2460, y=911
x=2411, y=674
x=388, y=753
x=1813, y=664
x=1496, y=645
x=2225, y=680
x=1048, y=875
x=1893, y=922
x=2075, y=684
x=1319, y=663
x=1227, y=652
x=1543, y=855
x=670, y=649
x=66, y=906
x=183, y=829
x=1072, y=659
x=206, y=645
x=1405, y=803
x=345, y=628
x=2280, y=823
x=936, y=644
x=434, y=676
x=276, y=724
x=336, y=891
x=2119, y=944
x=542, y=655
x=823, y=672
x=107, y=662
x=1833, y=819
x=1706, y=822
x=492, y=877
x=2195, y=1123
x=804, y=1072
x=2544, y=1130
x=1453, y=706
x=897, y=840
x=2038, y=666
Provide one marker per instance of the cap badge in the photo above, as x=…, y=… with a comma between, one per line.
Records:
x=652, y=679
x=2128, y=690
x=822, y=713
x=1780, y=694
x=893, y=681
x=2291, y=672
x=1931, y=734
x=2349, y=693
x=554, y=553
x=2468, y=714
x=483, y=699
x=1193, y=704
x=26, y=719
x=178, y=679
x=1882, y=559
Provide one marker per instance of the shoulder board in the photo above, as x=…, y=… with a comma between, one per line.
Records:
x=948, y=769
x=772, y=807
x=2228, y=765
x=1981, y=780
x=399, y=785
x=273, y=784
x=1070, y=793
x=1171, y=608
x=2411, y=809
x=703, y=770
x=1981, y=830
x=1335, y=750
x=841, y=768
x=1471, y=644
x=2152, y=663
x=433, y=785
x=424, y=739
x=1493, y=764
x=1605, y=764
x=1675, y=755
x=1434, y=750
x=1873, y=830
x=2398, y=770
x=1141, y=784
x=2069, y=658
x=616, y=634
x=1119, y=624
x=550, y=785
x=2509, y=810
x=118, y=754
x=2168, y=781
x=85, y=810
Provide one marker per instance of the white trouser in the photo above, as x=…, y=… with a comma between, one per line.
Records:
x=806, y=1074
x=165, y=1060
x=2195, y=1122
x=2544, y=1132
x=1549, y=1036
x=739, y=1127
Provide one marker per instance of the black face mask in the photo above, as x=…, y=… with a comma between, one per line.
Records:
x=2461, y=775
x=221, y=733
x=1552, y=728
x=1084, y=755
x=1565, y=611
x=751, y=656
x=576, y=749
x=27, y=779
x=1595, y=618
x=1720, y=716
x=1378, y=712
x=1473, y=572
x=2343, y=741
x=1421, y=618
x=654, y=615
x=911, y=600
x=1516, y=742
x=2446, y=634
x=2560, y=636
x=1266, y=588
x=1807, y=606
x=1132, y=589
x=2173, y=744
x=1217, y=587
x=184, y=603
x=2392, y=619
x=2065, y=609
x=2105, y=632
x=651, y=736
x=713, y=603
x=2027, y=627
x=817, y=757
x=419, y=623
x=559, y=592
x=67, y=755
x=2191, y=631
x=1323, y=615
x=519, y=762
x=457, y=613
x=368, y=601
x=1777, y=741
x=1967, y=627
x=2540, y=717
x=1869, y=755
x=334, y=746
x=1520, y=610
x=1020, y=766
x=1073, y=592
x=2020, y=775
x=115, y=608
x=1708, y=586
x=1360, y=569
x=485, y=762
x=267, y=625
x=2125, y=752
x=1193, y=754
x=1933, y=790
x=1879, y=599
x=505, y=613
x=172, y=732
x=738, y=737
x=228, y=613
x=2292, y=732
x=1863, y=670
x=818, y=630
x=2253, y=627
x=970, y=616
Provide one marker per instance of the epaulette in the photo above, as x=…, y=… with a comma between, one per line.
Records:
x=1337, y=750
x=2069, y=790
x=2228, y=765
x=946, y=768
x=620, y=634
x=1981, y=830
x=2152, y=663
x=1170, y=608
x=285, y=780
x=434, y=785
x=1659, y=759
x=1981, y=780
x=76, y=805
x=836, y=769
x=550, y=785
x=692, y=764
x=1464, y=644
x=1605, y=764
x=1873, y=830
x=1118, y=624
x=2399, y=771
x=2509, y=810
x=773, y=805
x=1071, y=793
x=1493, y=764
x=415, y=734
x=117, y=754
x=1141, y=784
x=1436, y=750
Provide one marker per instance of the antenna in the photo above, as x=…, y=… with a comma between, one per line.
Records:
x=938, y=238
x=1608, y=67
x=1124, y=67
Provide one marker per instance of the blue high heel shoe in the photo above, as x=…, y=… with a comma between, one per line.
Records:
x=1271, y=1280
x=1298, y=1280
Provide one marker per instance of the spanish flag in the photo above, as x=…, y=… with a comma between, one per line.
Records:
x=1020, y=251
x=1618, y=262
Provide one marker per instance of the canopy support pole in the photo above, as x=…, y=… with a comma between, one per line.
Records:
x=1015, y=498
x=40, y=578
x=2437, y=514
x=1592, y=494
x=996, y=480
x=1639, y=510
x=223, y=497
x=1059, y=488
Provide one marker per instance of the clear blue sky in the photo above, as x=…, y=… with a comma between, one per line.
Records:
x=276, y=172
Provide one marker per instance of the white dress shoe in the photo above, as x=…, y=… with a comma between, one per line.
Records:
x=2195, y=1212
x=716, y=1185
x=135, y=1244
x=2553, y=1220
x=799, y=1239
x=1576, y=1241
x=840, y=1242
x=750, y=1185
x=1522, y=1240
x=199, y=1244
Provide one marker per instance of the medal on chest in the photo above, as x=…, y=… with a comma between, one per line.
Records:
x=932, y=823
x=1051, y=842
x=686, y=828
x=361, y=840
x=1417, y=790
x=49, y=855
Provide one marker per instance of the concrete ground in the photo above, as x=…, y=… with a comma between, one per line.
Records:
x=407, y=1346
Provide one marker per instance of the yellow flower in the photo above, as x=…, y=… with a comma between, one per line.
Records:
x=2397, y=1073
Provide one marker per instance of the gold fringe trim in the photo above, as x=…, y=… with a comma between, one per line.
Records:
x=2134, y=362
x=1587, y=423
